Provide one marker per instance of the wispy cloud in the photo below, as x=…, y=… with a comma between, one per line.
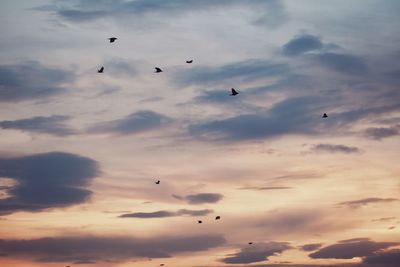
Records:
x=366, y=201
x=330, y=148
x=137, y=122
x=267, y=12
x=165, y=214
x=32, y=80
x=53, y=125
x=381, y=132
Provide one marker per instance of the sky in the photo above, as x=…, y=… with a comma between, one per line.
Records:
x=80, y=151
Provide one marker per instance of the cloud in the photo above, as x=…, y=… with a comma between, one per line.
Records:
x=165, y=213
x=242, y=71
x=338, y=62
x=105, y=248
x=301, y=44
x=295, y=116
x=48, y=180
x=137, y=122
x=31, y=80
x=121, y=67
x=390, y=258
x=257, y=252
x=366, y=201
x=303, y=221
x=329, y=148
x=350, y=249
x=384, y=219
x=298, y=115
x=311, y=247
x=268, y=12
x=342, y=63
x=203, y=198
x=53, y=125
x=381, y=133
x=262, y=188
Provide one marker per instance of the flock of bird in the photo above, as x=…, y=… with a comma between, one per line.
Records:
x=234, y=92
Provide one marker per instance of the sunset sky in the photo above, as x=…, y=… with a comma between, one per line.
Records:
x=80, y=151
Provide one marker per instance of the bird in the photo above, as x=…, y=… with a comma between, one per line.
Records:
x=158, y=70
x=250, y=243
x=199, y=221
x=162, y=264
x=189, y=61
x=112, y=39
x=101, y=70
x=234, y=92
x=324, y=116
x=218, y=217
x=158, y=182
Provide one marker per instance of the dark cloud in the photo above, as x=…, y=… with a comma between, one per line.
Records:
x=381, y=133
x=390, y=258
x=291, y=116
x=338, y=62
x=137, y=122
x=329, y=148
x=297, y=116
x=257, y=252
x=31, y=80
x=54, y=125
x=311, y=247
x=105, y=248
x=301, y=44
x=203, y=198
x=48, y=180
x=165, y=213
x=270, y=12
x=366, y=201
x=247, y=70
x=342, y=63
x=351, y=249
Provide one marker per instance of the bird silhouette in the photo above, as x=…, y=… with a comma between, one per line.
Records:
x=234, y=92
x=250, y=243
x=218, y=217
x=189, y=61
x=162, y=264
x=324, y=116
x=158, y=70
x=101, y=70
x=158, y=182
x=199, y=221
x=112, y=39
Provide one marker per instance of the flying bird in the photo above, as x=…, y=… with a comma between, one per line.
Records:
x=101, y=70
x=189, y=61
x=324, y=116
x=112, y=39
x=199, y=221
x=162, y=264
x=234, y=92
x=250, y=243
x=218, y=217
x=158, y=182
x=158, y=70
